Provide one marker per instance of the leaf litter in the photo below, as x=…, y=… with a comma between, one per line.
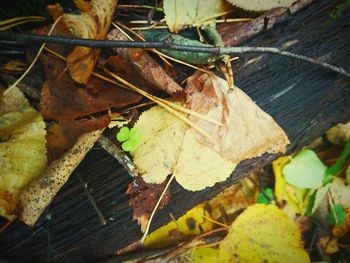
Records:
x=171, y=146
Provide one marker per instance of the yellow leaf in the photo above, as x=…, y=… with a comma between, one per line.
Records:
x=199, y=166
x=263, y=233
x=261, y=5
x=182, y=13
x=284, y=192
x=191, y=223
x=204, y=255
x=161, y=140
x=22, y=148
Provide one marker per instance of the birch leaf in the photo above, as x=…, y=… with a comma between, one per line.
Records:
x=261, y=5
x=22, y=148
x=199, y=166
x=263, y=234
x=182, y=13
x=161, y=141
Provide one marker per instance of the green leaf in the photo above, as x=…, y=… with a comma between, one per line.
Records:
x=135, y=134
x=305, y=170
x=332, y=171
x=123, y=134
x=337, y=215
x=130, y=145
x=317, y=199
x=347, y=175
x=262, y=197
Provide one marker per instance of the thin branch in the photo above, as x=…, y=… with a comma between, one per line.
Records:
x=27, y=38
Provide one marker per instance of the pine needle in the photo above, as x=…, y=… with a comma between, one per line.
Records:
x=13, y=22
x=36, y=57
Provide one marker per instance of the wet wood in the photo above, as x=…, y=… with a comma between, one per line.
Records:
x=304, y=99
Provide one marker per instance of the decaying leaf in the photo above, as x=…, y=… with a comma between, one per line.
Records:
x=64, y=100
x=263, y=234
x=40, y=192
x=143, y=198
x=144, y=64
x=339, y=134
x=93, y=23
x=261, y=5
x=22, y=148
x=182, y=13
x=247, y=131
x=191, y=223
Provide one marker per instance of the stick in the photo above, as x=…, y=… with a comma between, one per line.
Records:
x=28, y=38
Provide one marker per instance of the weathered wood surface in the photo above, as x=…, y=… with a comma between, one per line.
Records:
x=304, y=99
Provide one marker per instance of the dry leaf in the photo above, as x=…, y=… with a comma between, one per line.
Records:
x=93, y=23
x=263, y=234
x=162, y=135
x=144, y=64
x=167, y=146
x=180, y=14
x=248, y=131
x=22, y=148
x=39, y=193
x=64, y=100
x=339, y=134
x=198, y=166
x=261, y=5
x=143, y=198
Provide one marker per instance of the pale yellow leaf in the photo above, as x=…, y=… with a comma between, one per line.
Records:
x=22, y=148
x=263, y=233
x=199, y=166
x=183, y=13
x=161, y=140
x=261, y=5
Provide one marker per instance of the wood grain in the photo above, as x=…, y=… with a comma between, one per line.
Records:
x=304, y=99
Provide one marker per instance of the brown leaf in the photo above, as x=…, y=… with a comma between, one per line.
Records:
x=143, y=198
x=64, y=100
x=247, y=131
x=144, y=64
x=93, y=23
x=62, y=136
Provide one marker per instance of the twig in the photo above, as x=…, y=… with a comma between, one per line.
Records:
x=92, y=201
x=28, y=38
x=156, y=208
x=109, y=146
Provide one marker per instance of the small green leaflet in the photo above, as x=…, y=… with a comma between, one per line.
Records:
x=337, y=215
x=305, y=170
x=336, y=168
x=262, y=197
x=130, y=138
